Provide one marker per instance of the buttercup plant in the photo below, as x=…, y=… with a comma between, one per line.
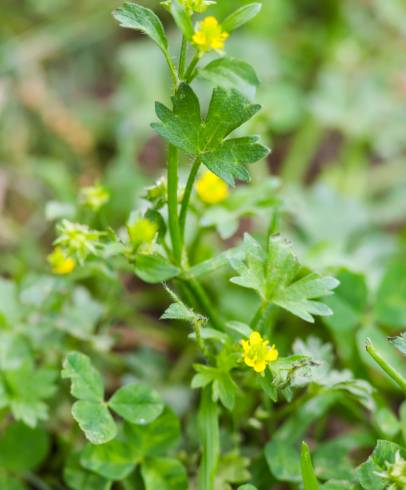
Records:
x=159, y=247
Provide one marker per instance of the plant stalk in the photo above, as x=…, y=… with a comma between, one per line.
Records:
x=208, y=426
x=186, y=196
x=389, y=370
x=189, y=72
x=205, y=304
x=173, y=221
x=182, y=57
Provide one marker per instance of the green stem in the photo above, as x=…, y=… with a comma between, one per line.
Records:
x=189, y=72
x=258, y=315
x=173, y=221
x=205, y=304
x=208, y=426
x=182, y=57
x=172, y=69
x=186, y=196
x=389, y=370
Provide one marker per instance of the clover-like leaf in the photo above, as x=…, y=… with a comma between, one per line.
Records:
x=90, y=411
x=95, y=421
x=137, y=403
x=228, y=110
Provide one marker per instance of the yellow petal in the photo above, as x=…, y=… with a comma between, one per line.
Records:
x=255, y=338
x=249, y=362
x=260, y=366
x=272, y=354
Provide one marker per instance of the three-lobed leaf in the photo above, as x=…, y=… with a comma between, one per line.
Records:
x=273, y=275
x=206, y=139
x=136, y=403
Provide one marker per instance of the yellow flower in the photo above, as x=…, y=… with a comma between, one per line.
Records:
x=211, y=189
x=209, y=35
x=257, y=353
x=142, y=231
x=60, y=262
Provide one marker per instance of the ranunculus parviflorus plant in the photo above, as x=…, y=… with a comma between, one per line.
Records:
x=131, y=433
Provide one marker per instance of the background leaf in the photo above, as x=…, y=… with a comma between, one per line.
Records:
x=241, y=16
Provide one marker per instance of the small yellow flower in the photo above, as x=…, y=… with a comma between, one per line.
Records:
x=142, y=231
x=209, y=35
x=60, y=262
x=211, y=189
x=94, y=196
x=257, y=353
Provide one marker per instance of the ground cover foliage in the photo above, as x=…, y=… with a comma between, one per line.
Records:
x=202, y=231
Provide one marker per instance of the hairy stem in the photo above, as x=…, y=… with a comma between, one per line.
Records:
x=389, y=370
x=186, y=196
x=256, y=319
x=182, y=57
x=205, y=304
x=189, y=75
x=172, y=69
x=173, y=221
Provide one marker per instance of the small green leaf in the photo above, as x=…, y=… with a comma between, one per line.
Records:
x=111, y=460
x=247, y=486
x=87, y=383
x=164, y=474
x=154, y=269
x=137, y=403
x=241, y=16
x=135, y=16
x=95, y=421
x=309, y=478
x=399, y=342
